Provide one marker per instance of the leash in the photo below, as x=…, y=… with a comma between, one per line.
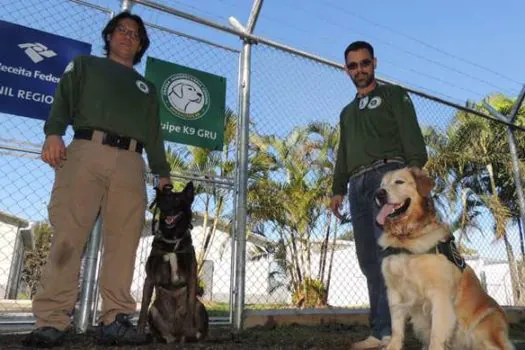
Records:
x=154, y=221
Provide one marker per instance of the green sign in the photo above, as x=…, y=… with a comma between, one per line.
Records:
x=191, y=103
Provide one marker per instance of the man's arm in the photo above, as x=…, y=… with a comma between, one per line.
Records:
x=409, y=130
x=65, y=100
x=155, y=144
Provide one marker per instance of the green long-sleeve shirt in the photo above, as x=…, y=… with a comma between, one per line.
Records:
x=381, y=125
x=99, y=93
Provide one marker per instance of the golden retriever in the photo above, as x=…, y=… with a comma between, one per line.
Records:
x=441, y=295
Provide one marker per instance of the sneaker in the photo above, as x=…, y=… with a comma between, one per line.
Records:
x=120, y=332
x=371, y=343
x=44, y=337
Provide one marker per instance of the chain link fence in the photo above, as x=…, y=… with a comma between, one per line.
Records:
x=297, y=253
x=295, y=108
x=25, y=235
x=23, y=203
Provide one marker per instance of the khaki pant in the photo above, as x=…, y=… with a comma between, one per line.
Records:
x=94, y=177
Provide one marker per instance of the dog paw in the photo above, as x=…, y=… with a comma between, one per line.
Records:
x=169, y=339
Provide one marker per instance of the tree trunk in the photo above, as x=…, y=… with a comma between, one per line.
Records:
x=490, y=170
x=515, y=281
x=324, y=248
x=205, y=223
x=295, y=261
x=514, y=276
x=208, y=239
x=329, y=275
x=464, y=212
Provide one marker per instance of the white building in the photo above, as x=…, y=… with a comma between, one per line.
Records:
x=217, y=269
x=348, y=287
x=16, y=237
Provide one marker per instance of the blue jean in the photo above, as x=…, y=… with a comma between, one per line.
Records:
x=366, y=232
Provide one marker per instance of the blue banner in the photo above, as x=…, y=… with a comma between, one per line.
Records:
x=31, y=65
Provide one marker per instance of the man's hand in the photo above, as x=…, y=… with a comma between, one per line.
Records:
x=335, y=204
x=163, y=180
x=54, y=151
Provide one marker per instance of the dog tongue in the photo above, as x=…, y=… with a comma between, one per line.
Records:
x=170, y=219
x=385, y=210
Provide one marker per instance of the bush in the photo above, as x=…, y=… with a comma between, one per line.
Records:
x=310, y=293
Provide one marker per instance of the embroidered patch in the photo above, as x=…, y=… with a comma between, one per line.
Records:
x=363, y=102
x=407, y=99
x=69, y=67
x=142, y=86
x=375, y=102
x=450, y=250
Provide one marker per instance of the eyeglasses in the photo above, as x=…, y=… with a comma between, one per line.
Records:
x=132, y=34
x=362, y=64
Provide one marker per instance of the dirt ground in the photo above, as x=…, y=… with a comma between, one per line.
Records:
x=290, y=337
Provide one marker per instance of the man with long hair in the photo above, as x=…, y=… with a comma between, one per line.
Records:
x=114, y=113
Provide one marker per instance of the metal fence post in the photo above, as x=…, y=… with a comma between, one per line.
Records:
x=242, y=169
x=126, y=5
x=512, y=148
x=85, y=309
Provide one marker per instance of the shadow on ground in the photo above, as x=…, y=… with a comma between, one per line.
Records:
x=289, y=337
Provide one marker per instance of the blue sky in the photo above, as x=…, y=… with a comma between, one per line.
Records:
x=437, y=46
x=457, y=50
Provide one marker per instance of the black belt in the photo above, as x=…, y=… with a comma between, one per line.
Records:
x=111, y=139
x=364, y=168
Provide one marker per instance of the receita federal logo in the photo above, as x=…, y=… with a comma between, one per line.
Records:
x=37, y=52
x=185, y=96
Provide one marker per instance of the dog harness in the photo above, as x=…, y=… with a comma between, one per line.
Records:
x=447, y=248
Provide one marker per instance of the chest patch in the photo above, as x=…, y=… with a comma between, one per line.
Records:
x=142, y=86
x=69, y=67
x=363, y=102
x=375, y=102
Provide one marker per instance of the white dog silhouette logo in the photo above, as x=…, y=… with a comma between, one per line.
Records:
x=185, y=96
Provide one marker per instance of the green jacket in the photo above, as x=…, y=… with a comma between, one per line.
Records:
x=381, y=125
x=99, y=93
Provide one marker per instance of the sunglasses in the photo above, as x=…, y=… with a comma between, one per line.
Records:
x=124, y=31
x=362, y=64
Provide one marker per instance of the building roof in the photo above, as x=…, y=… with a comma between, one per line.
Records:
x=25, y=228
x=13, y=220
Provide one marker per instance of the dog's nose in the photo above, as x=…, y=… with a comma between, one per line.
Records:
x=381, y=196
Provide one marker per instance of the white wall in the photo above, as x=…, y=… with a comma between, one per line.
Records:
x=256, y=286
x=8, y=234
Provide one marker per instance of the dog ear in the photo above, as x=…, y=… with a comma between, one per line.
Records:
x=424, y=183
x=189, y=191
x=177, y=89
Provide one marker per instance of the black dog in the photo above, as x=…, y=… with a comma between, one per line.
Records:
x=171, y=270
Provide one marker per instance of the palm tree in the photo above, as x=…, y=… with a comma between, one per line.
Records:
x=35, y=259
x=472, y=163
x=323, y=158
x=289, y=196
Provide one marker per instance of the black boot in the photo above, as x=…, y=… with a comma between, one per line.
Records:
x=44, y=337
x=120, y=332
